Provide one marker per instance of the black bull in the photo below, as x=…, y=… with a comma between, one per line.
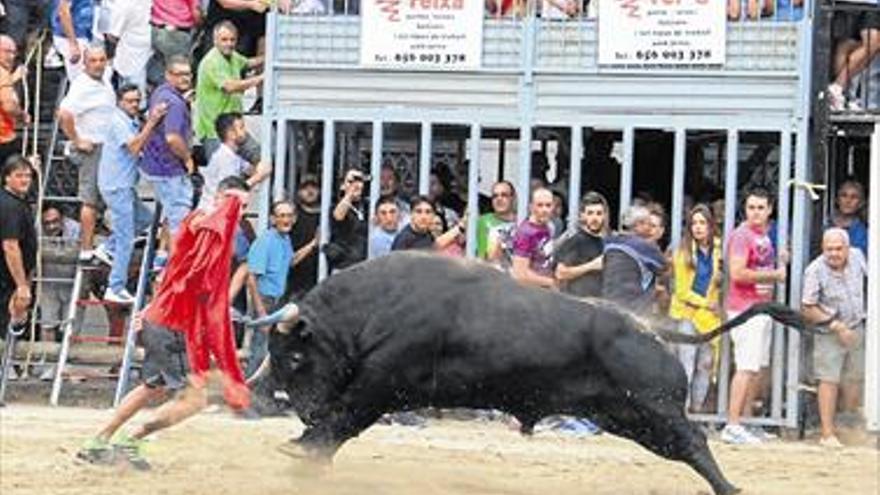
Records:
x=409, y=331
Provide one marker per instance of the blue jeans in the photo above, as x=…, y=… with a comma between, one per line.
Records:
x=175, y=195
x=698, y=363
x=128, y=215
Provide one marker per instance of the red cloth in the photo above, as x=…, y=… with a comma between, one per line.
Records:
x=193, y=297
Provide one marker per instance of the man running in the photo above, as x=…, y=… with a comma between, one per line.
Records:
x=186, y=325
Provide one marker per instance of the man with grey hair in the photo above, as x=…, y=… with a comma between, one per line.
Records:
x=834, y=288
x=220, y=88
x=83, y=116
x=632, y=262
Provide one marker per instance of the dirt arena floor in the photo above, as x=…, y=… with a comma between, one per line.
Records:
x=216, y=454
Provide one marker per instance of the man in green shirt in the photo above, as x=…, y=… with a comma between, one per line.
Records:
x=493, y=227
x=220, y=87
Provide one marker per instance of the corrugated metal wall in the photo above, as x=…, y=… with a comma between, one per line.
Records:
x=317, y=66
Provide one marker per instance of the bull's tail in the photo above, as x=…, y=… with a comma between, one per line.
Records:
x=779, y=312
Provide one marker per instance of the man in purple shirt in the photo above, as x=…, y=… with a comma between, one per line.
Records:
x=533, y=243
x=166, y=161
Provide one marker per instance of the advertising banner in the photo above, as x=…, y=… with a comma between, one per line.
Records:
x=422, y=34
x=646, y=33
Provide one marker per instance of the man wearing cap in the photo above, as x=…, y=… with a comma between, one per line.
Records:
x=304, y=274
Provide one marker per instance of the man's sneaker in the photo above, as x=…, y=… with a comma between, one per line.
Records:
x=854, y=106
x=103, y=255
x=130, y=449
x=121, y=297
x=408, y=418
x=761, y=434
x=86, y=255
x=13, y=374
x=830, y=442
x=52, y=60
x=578, y=427
x=738, y=435
x=97, y=451
x=836, y=100
x=48, y=373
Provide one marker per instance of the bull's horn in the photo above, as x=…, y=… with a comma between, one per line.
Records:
x=263, y=370
x=288, y=314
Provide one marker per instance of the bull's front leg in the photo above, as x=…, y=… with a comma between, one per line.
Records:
x=326, y=435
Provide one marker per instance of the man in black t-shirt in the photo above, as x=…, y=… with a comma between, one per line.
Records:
x=349, y=219
x=19, y=241
x=579, y=258
x=417, y=234
x=248, y=16
x=303, y=236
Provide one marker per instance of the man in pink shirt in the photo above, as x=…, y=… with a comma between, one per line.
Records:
x=173, y=24
x=753, y=273
x=533, y=244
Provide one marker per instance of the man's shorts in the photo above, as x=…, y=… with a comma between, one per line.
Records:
x=54, y=302
x=165, y=361
x=166, y=43
x=848, y=24
x=751, y=342
x=87, y=165
x=834, y=363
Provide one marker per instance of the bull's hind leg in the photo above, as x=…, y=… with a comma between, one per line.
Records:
x=668, y=433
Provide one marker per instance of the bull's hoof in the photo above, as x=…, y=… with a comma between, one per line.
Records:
x=307, y=451
x=729, y=490
x=292, y=448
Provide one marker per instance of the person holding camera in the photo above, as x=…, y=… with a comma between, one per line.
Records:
x=349, y=226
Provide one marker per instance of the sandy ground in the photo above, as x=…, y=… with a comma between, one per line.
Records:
x=217, y=454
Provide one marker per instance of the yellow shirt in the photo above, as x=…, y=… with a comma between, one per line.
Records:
x=687, y=304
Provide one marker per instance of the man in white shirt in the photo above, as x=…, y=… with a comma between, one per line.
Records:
x=226, y=161
x=83, y=116
x=130, y=30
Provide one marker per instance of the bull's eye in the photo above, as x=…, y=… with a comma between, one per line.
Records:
x=295, y=361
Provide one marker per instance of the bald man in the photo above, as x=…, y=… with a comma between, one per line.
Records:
x=83, y=116
x=533, y=243
x=11, y=112
x=834, y=287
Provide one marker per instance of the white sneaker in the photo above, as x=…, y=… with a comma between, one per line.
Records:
x=103, y=255
x=836, y=100
x=761, y=433
x=53, y=59
x=830, y=442
x=121, y=297
x=13, y=375
x=86, y=255
x=738, y=435
x=48, y=374
x=854, y=106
